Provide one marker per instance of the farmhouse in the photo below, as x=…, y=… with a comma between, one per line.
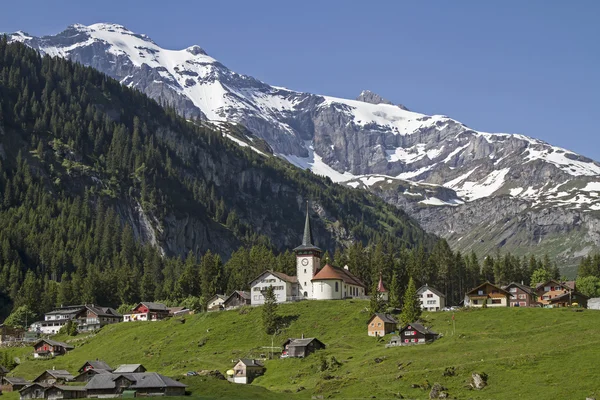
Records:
x=236, y=299
x=553, y=294
x=301, y=347
x=215, y=303
x=311, y=281
x=93, y=317
x=47, y=348
x=381, y=325
x=416, y=333
x=91, y=368
x=245, y=370
x=13, y=383
x=147, y=311
x=521, y=295
x=135, y=384
x=52, y=376
x=488, y=295
x=431, y=299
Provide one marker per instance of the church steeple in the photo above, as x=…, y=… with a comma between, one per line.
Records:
x=307, y=240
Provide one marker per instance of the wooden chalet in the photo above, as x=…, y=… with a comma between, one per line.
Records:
x=237, y=299
x=553, y=294
x=521, y=295
x=13, y=383
x=488, y=295
x=147, y=311
x=215, y=303
x=52, y=376
x=381, y=324
x=93, y=317
x=47, y=348
x=91, y=368
x=301, y=347
x=415, y=333
x=245, y=370
x=134, y=385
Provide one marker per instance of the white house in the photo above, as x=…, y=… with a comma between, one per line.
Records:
x=215, y=303
x=431, y=299
x=311, y=281
x=284, y=286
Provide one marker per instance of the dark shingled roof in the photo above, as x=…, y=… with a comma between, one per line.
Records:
x=16, y=380
x=418, y=327
x=249, y=362
x=153, y=306
x=307, y=238
x=384, y=317
x=57, y=373
x=140, y=380
x=127, y=368
x=103, y=311
x=524, y=288
x=280, y=275
x=98, y=364
x=425, y=287
x=301, y=342
x=53, y=343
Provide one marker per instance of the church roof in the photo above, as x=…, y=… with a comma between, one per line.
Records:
x=307, y=239
x=329, y=272
x=380, y=287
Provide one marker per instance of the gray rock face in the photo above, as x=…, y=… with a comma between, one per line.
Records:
x=367, y=96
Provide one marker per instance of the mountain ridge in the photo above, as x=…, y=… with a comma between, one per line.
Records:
x=353, y=142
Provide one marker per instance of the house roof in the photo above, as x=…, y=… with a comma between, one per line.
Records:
x=420, y=328
x=569, y=285
x=280, y=275
x=29, y=386
x=387, y=318
x=98, y=364
x=127, y=368
x=95, y=371
x=3, y=370
x=103, y=311
x=53, y=343
x=152, y=306
x=241, y=293
x=65, y=388
x=250, y=362
x=16, y=380
x=329, y=272
x=566, y=296
x=217, y=296
x=303, y=342
x=434, y=290
x=474, y=290
x=57, y=373
x=307, y=238
x=524, y=288
x=140, y=380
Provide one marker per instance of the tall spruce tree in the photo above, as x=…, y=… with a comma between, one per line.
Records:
x=269, y=312
x=411, y=308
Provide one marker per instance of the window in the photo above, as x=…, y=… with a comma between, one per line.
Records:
x=405, y=340
x=496, y=301
x=513, y=290
x=304, y=270
x=373, y=324
x=475, y=301
x=547, y=288
x=480, y=292
x=522, y=304
x=337, y=288
x=429, y=295
x=522, y=296
x=379, y=324
x=430, y=301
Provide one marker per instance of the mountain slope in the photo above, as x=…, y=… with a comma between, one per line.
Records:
x=362, y=142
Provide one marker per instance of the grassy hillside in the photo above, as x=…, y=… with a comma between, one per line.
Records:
x=525, y=352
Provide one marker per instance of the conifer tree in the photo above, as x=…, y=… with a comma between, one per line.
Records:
x=394, y=292
x=269, y=314
x=411, y=308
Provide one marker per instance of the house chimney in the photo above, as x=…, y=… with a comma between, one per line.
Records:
x=303, y=335
x=346, y=267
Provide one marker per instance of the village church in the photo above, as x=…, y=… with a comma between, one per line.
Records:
x=311, y=282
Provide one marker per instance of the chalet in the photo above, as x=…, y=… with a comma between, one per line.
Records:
x=13, y=383
x=56, y=392
x=236, y=299
x=91, y=368
x=431, y=299
x=215, y=303
x=488, y=295
x=552, y=294
x=135, y=384
x=284, y=286
x=47, y=348
x=147, y=311
x=381, y=325
x=52, y=376
x=33, y=391
x=301, y=347
x=56, y=319
x=93, y=317
x=245, y=371
x=130, y=369
x=416, y=333
x=521, y=295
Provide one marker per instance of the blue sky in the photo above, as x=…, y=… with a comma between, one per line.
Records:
x=528, y=67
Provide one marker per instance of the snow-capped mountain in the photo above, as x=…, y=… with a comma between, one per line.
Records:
x=429, y=164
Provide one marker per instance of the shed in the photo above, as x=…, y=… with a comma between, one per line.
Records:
x=301, y=347
x=13, y=383
x=56, y=392
x=237, y=299
x=33, y=391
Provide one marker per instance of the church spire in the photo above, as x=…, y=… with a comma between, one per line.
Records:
x=307, y=240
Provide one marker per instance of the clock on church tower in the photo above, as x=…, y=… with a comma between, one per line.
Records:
x=308, y=260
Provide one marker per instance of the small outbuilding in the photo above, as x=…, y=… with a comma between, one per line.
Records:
x=33, y=391
x=415, y=333
x=237, y=299
x=13, y=383
x=301, y=347
x=57, y=392
x=381, y=324
x=129, y=369
x=245, y=371
x=47, y=348
x=52, y=376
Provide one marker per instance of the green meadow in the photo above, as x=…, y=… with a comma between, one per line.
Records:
x=526, y=353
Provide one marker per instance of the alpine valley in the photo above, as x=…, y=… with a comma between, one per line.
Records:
x=481, y=191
